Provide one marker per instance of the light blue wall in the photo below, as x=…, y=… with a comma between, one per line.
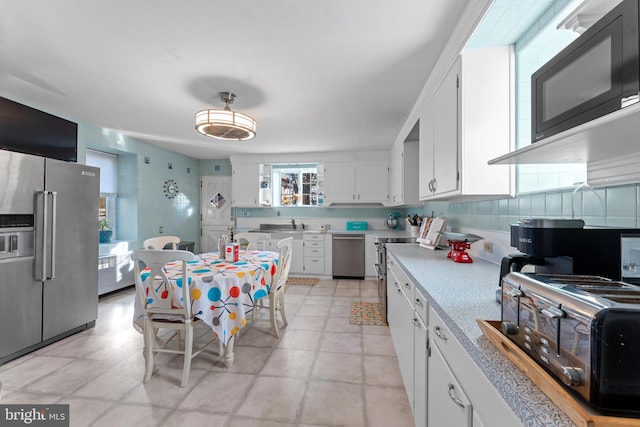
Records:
x=143, y=207
x=218, y=167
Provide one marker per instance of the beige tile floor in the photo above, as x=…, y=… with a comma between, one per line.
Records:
x=322, y=371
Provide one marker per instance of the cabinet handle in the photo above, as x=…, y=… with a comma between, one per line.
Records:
x=408, y=286
x=452, y=396
x=435, y=185
x=416, y=323
x=439, y=333
x=419, y=302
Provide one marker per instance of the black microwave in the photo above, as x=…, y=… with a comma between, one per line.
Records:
x=597, y=74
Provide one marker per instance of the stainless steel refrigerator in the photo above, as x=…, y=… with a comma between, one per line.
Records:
x=48, y=251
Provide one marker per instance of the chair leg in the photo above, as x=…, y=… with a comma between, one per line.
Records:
x=179, y=343
x=149, y=346
x=282, y=313
x=188, y=349
x=272, y=314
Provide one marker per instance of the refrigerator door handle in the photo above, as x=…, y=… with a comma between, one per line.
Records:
x=41, y=239
x=54, y=226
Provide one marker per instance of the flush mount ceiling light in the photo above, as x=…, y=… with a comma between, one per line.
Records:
x=225, y=124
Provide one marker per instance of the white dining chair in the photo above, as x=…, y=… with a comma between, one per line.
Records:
x=157, y=243
x=179, y=319
x=254, y=241
x=279, y=283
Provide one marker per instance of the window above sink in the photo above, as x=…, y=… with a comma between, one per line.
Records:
x=294, y=185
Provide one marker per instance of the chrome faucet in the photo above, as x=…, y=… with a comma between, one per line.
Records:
x=293, y=222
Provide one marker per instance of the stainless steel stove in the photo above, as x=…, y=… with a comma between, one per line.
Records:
x=381, y=266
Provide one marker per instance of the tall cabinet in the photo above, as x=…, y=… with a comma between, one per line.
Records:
x=403, y=173
x=466, y=123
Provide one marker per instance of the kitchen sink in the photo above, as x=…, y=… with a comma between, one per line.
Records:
x=285, y=229
x=278, y=227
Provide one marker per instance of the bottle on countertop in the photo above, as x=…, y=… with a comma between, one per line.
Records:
x=222, y=244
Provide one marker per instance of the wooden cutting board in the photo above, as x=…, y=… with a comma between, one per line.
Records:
x=578, y=411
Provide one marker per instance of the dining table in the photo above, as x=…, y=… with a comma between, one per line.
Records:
x=223, y=293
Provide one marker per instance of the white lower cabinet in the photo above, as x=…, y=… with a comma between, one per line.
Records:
x=483, y=404
x=314, y=254
x=297, y=260
x=477, y=422
x=370, y=255
x=407, y=319
x=445, y=386
x=448, y=404
x=420, y=361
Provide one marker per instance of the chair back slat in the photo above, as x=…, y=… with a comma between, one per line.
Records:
x=284, y=263
x=157, y=243
x=159, y=286
x=255, y=241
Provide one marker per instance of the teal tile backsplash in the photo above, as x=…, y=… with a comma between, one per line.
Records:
x=613, y=206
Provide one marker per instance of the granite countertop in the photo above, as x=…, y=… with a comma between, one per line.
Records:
x=460, y=294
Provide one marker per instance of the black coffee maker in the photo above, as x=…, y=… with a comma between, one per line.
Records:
x=564, y=246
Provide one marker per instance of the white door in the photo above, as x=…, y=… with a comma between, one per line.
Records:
x=215, y=215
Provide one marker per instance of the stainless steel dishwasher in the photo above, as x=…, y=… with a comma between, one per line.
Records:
x=347, y=258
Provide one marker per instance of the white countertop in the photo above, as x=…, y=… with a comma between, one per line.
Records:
x=460, y=294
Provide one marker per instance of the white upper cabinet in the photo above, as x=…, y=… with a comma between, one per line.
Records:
x=365, y=182
x=467, y=122
x=403, y=174
x=439, y=129
x=245, y=185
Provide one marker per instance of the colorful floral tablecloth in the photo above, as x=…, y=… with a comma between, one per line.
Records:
x=222, y=293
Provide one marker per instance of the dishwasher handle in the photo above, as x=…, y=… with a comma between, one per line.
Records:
x=348, y=237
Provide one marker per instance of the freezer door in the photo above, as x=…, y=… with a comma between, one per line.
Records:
x=70, y=295
x=21, y=175
x=20, y=306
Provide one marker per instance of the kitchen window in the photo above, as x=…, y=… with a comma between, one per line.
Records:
x=108, y=164
x=295, y=185
x=533, y=51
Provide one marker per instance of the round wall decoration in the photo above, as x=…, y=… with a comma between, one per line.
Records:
x=170, y=189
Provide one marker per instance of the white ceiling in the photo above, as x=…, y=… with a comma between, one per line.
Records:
x=329, y=75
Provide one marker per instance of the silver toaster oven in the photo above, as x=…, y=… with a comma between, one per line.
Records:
x=584, y=330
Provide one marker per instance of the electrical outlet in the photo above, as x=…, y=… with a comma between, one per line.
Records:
x=487, y=247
